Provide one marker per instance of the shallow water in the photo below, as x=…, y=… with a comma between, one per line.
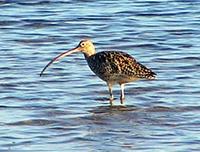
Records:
x=68, y=108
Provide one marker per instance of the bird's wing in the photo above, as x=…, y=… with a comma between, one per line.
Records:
x=121, y=63
x=129, y=66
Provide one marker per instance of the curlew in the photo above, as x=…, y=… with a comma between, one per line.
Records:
x=113, y=67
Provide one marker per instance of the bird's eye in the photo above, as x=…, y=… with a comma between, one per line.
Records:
x=82, y=44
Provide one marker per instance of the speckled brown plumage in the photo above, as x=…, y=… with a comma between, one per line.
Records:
x=118, y=67
x=111, y=66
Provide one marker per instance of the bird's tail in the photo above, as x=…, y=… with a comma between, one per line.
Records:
x=144, y=72
x=150, y=76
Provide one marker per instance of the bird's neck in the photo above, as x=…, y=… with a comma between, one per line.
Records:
x=89, y=53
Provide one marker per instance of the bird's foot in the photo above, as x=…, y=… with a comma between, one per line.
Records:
x=111, y=100
x=122, y=99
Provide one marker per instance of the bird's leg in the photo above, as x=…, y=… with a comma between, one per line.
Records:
x=111, y=93
x=122, y=97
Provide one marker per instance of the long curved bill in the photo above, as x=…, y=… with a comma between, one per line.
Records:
x=62, y=55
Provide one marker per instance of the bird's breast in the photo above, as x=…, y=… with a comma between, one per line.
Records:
x=108, y=66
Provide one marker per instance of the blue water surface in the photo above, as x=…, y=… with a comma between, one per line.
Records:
x=68, y=108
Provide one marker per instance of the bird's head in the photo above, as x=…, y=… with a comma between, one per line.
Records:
x=85, y=46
